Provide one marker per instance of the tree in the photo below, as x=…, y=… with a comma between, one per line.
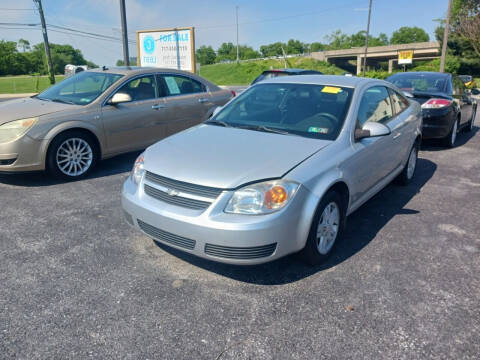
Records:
x=274, y=49
x=205, y=55
x=338, y=40
x=406, y=35
x=226, y=51
x=120, y=62
x=295, y=47
x=317, y=46
x=466, y=22
x=24, y=45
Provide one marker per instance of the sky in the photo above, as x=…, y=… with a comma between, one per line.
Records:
x=261, y=21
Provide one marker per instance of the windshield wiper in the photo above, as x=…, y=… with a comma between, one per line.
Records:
x=63, y=101
x=217, y=122
x=264, y=128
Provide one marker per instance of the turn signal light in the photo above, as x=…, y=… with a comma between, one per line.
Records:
x=436, y=104
x=275, y=196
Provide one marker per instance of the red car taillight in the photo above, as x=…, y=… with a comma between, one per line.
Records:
x=436, y=104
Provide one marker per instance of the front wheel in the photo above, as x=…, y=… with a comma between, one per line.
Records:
x=472, y=121
x=409, y=170
x=327, y=228
x=72, y=155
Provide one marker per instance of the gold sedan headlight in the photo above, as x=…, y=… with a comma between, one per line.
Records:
x=14, y=130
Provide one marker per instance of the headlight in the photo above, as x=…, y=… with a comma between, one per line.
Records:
x=262, y=198
x=15, y=129
x=137, y=171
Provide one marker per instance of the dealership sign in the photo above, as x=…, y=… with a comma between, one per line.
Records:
x=405, y=57
x=167, y=48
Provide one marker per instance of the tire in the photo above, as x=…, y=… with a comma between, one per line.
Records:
x=72, y=155
x=469, y=127
x=311, y=253
x=449, y=140
x=408, y=172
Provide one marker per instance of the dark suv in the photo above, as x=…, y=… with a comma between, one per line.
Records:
x=268, y=74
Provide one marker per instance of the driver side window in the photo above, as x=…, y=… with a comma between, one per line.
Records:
x=142, y=88
x=375, y=106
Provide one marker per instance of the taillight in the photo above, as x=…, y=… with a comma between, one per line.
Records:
x=234, y=93
x=436, y=104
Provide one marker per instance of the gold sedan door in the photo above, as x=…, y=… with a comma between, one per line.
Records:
x=136, y=124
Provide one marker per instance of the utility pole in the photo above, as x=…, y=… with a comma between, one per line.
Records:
x=445, y=37
x=51, y=73
x=123, y=15
x=366, y=38
x=238, y=52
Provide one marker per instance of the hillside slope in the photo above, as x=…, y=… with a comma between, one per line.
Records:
x=245, y=72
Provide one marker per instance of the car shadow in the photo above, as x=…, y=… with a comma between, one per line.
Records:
x=113, y=166
x=462, y=139
x=362, y=227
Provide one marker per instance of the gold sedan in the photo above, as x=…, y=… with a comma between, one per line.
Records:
x=101, y=113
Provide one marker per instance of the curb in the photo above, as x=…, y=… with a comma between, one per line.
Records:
x=9, y=96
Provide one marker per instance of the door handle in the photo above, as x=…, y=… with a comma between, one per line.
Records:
x=158, y=106
x=202, y=100
x=396, y=135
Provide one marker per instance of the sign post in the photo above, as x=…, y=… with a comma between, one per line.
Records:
x=167, y=48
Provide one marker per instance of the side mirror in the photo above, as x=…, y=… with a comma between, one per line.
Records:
x=216, y=111
x=119, y=98
x=371, y=129
x=408, y=94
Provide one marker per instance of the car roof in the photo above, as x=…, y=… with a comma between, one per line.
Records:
x=129, y=70
x=336, y=80
x=422, y=73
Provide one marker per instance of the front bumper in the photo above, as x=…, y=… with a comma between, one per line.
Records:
x=437, y=123
x=23, y=154
x=216, y=235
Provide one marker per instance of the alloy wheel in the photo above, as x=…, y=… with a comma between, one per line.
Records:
x=328, y=227
x=74, y=157
x=412, y=163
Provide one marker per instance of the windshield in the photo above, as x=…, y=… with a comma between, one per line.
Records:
x=419, y=82
x=315, y=111
x=80, y=89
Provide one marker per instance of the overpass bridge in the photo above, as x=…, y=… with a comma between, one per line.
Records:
x=343, y=58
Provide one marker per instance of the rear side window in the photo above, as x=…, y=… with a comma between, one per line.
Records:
x=375, y=106
x=398, y=101
x=180, y=85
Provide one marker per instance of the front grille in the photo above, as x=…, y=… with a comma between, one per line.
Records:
x=184, y=187
x=240, y=253
x=7, y=162
x=175, y=200
x=167, y=237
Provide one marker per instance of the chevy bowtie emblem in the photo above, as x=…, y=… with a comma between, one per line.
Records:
x=172, y=192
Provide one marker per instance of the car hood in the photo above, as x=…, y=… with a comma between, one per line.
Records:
x=228, y=157
x=30, y=107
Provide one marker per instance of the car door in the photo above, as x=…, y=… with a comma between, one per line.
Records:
x=463, y=99
x=402, y=126
x=187, y=101
x=373, y=158
x=136, y=124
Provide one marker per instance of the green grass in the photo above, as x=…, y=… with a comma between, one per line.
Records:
x=245, y=72
x=25, y=84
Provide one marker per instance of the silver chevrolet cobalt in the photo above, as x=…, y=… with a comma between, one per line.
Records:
x=277, y=170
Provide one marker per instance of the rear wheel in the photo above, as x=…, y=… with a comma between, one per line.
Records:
x=449, y=140
x=72, y=155
x=327, y=228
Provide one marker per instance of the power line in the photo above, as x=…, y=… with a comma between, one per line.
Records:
x=12, y=9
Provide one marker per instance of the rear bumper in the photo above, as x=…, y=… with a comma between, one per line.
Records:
x=216, y=235
x=437, y=123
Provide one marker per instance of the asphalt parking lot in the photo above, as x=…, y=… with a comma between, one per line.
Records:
x=77, y=282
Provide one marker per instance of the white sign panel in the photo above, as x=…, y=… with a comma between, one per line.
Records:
x=169, y=48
